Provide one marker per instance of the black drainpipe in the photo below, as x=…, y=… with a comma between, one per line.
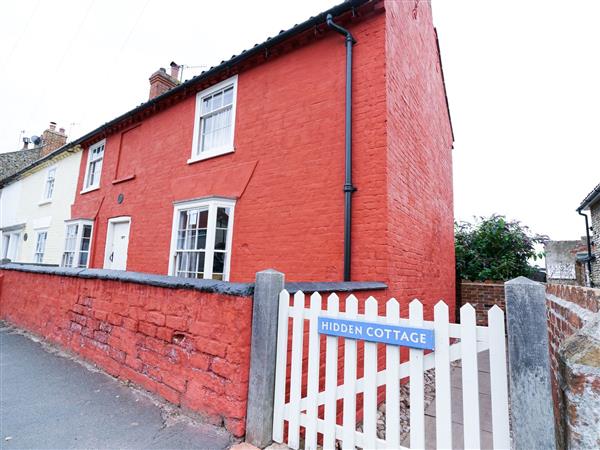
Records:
x=589, y=246
x=348, y=187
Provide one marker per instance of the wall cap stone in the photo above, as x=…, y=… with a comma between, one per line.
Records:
x=212, y=286
x=165, y=281
x=333, y=286
x=522, y=281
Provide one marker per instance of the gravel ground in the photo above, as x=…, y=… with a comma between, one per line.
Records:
x=429, y=392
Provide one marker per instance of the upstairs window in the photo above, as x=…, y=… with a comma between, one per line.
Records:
x=215, y=120
x=94, y=166
x=78, y=239
x=49, y=184
x=201, y=241
x=40, y=246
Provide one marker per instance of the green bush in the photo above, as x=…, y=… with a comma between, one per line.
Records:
x=493, y=248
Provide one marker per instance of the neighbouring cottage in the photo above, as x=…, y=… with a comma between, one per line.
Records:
x=36, y=197
x=566, y=262
x=243, y=167
x=591, y=203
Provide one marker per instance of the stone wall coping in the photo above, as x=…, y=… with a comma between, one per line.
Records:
x=212, y=286
x=593, y=290
x=333, y=286
x=165, y=281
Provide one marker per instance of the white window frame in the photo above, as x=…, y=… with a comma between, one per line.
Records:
x=86, y=184
x=78, y=240
x=45, y=197
x=212, y=203
x=197, y=155
x=38, y=234
x=11, y=244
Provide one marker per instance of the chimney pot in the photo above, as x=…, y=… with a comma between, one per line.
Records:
x=25, y=143
x=52, y=126
x=61, y=130
x=174, y=70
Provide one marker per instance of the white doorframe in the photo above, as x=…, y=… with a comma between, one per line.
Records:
x=109, y=238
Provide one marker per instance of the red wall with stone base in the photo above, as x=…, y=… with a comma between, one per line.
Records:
x=190, y=347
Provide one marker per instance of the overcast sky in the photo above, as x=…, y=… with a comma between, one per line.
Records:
x=523, y=81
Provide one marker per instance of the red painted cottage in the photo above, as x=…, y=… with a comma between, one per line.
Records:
x=243, y=167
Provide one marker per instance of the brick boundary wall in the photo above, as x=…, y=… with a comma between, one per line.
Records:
x=482, y=296
x=569, y=308
x=185, y=340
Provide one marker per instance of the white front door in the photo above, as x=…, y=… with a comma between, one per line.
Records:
x=117, y=241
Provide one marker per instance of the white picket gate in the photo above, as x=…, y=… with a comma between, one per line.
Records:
x=303, y=411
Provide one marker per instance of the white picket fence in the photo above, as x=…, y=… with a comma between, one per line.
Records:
x=303, y=411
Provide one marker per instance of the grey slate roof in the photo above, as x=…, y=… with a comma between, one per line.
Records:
x=590, y=198
x=13, y=162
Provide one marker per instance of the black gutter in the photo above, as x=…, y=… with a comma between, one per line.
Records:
x=589, y=258
x=348, y=187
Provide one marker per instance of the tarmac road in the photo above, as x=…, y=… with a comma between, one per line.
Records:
x=49, y=401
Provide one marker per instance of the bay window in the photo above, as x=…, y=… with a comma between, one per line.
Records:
x=78, y=239
x=201, y=239
x=11, y=243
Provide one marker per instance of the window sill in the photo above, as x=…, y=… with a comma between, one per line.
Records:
x=123, y=179
x=89, y=189
x=208, y=155
x=45, y=202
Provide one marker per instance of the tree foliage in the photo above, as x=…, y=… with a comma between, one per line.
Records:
x=493, y=248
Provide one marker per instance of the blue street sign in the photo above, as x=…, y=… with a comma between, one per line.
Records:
x=378, y=332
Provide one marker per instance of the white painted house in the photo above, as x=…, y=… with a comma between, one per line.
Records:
x=34, y=205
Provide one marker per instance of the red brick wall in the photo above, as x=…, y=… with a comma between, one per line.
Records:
x=190, y=347
x=482, y=296
x=287, y=169
x=568, y=308
x=419, y=201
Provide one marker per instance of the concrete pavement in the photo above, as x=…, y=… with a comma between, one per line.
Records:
x=49, y=401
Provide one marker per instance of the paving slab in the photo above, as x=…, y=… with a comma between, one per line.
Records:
x=457, y=436
x=50, y=401
x=485, y=407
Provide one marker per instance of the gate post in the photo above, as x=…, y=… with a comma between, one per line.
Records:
x=263, y=357
x=531, y=407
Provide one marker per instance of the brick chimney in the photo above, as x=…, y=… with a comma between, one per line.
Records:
x=161, y=82
x=52, y=139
